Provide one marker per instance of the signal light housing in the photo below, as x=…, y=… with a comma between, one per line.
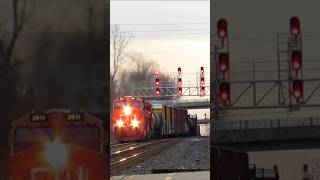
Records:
x=157, y=81
x=180, y=90
x=201, y=69
x=202, y=80
x=222, y=29
x=295, y=26
x=224, y=92
x=157, y=91
x=223, y=62
x=297, y=89
x=179, y=70
x=179, y=81
x=203, y=90
x=296, y=60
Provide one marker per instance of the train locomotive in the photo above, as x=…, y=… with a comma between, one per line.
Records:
x=134, y=119
x=57, y=144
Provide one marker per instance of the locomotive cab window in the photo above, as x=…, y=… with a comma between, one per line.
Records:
x=136, y=104
x=85, y=133
x=33, y=134
x=25, y=138
x=88, y=137
x=118, y=105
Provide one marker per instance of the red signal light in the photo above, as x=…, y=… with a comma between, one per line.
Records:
x=157, y=81
x=222, y=27
x=224, y=92
x=201, y=69
x=180, y=90
x=224, y=62
x=295, y=26
x=202, y=80
x=297, y=89
x=296, y=60
x=157, y=91
x=179, y=81
x=203, y=89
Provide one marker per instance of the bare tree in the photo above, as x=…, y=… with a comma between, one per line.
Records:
x=19, y=19
x=140, y=74
x=118, y=44
x=10, y=33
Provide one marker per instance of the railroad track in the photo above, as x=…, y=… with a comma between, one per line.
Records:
x=121, y=144
x=123, y=158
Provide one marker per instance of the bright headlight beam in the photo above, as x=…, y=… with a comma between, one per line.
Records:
x=56, y=153
x=135, y=123
x=127, y=110
x=120, y=123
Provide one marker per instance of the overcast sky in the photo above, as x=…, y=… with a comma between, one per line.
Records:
x=253, y=26
x=171, y=33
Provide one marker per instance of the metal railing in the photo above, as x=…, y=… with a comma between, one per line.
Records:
x=184, y=101
x=267, y=123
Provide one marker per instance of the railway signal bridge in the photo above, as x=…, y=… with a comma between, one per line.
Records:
x=290, y=87
x=287, y=88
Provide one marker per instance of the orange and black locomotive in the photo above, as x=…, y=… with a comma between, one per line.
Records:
x=57, y=144
x=135, y=119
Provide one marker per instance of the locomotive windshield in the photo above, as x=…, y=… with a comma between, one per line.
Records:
x=81, y=133
x=33, y=134
x=135, y=104
x=118, y=104
x=84, y=136
x=26, y=137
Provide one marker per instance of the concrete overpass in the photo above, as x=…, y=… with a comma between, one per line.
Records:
x=271, y=134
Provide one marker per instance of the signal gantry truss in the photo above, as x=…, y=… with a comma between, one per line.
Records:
x=289, y=90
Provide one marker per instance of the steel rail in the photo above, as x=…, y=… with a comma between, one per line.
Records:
x=135, y=154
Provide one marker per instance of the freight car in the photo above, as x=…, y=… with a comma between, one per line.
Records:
x=176, y=122
x=57, y=144
x=135, y=119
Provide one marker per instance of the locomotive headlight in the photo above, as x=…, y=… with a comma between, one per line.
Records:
x=127, y=110
x=56, y=153
x=120, y=123
x=134, y=123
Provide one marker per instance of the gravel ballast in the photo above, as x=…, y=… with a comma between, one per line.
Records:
x=189, y=153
